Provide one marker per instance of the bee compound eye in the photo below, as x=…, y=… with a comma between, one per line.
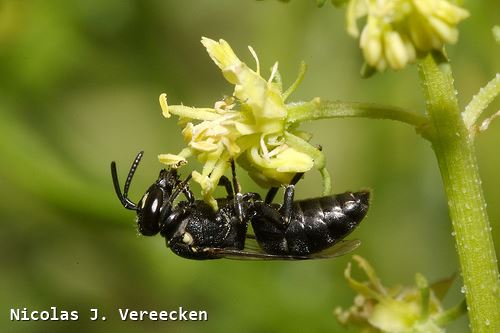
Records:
x=149, y=211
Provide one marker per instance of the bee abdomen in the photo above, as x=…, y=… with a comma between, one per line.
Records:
x=321, y=222
x=348, y=205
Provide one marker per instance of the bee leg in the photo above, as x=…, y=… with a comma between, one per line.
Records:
x=184, y=188
x=238, y=202
x=236, y=185
x=168, y=201
x=286, y=208
x=273, y=190
x=269, y=228
x=251, y=196
x=188, y=194
x=270, y=195
x=172, y=219
x=224, y=181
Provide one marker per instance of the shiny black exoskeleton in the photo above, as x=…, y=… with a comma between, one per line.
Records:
x=192, y=228
x=304, y=229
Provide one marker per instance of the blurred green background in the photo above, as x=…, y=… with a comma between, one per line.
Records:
x=79, y=87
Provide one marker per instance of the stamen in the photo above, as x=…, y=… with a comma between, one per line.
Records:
x=164, y=105
x=278, y=150
x=254, y=55
x=274, y=70
x=263, y=147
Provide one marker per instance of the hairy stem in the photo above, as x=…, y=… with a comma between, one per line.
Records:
x=480, y=102
x=317, y=109
x=454, y=150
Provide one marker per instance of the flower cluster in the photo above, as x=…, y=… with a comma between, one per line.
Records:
x=249, y=126
x=398, y=309
x=397, y=31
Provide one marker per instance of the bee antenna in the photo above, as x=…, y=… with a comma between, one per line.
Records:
x=126, y=202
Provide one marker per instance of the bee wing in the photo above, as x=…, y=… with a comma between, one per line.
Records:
x=253, y=252
x=250, y=255
x=339, y=249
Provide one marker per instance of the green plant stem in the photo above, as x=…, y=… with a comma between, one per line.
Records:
x=452, y=314
x=317, y=109
x=480, y=102
x=454, y=150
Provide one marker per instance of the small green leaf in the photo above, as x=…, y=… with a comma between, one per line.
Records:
x=441, y=287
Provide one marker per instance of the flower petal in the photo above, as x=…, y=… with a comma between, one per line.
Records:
x=172, y=160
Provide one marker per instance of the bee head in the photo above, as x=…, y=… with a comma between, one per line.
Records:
x=156, y=204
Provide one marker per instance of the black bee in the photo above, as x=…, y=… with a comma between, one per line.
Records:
x=304, y=229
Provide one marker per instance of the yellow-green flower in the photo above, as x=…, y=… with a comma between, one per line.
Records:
x=249, y=127
x=398, y=309
x=396, y=31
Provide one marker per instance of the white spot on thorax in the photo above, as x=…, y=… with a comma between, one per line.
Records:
x=187, y=238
